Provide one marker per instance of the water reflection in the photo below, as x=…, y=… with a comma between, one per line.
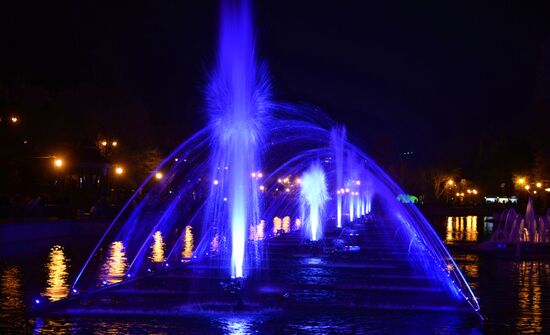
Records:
x=260, y=229
x=157, y=249
x=236, y=326
x=53, y=326
x=57, y=270
x=189, y=243
x=286, y=224
x=469, y=265
x=114, y=269
x=11, y=290
x=215, y=243
x=277, y=224
x=297, y=224
x=257, y=231
x=460, y=231
x=533, y=277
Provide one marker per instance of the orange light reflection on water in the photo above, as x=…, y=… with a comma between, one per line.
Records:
x=189, y=243
x=12, y=300
x=157, y=249
x=116, y=264
x=57, y=269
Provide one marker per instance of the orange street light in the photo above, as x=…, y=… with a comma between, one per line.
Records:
x=119, y=170
x=58, y=163
x=158, y=176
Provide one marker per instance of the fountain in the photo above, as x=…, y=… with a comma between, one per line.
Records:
x=258, y=162
x=527, y=228
x=313, y=196
x=238, y=104
x=338, y=137
x=517, y=234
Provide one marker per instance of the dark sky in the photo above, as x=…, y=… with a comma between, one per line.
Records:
x=432, y=77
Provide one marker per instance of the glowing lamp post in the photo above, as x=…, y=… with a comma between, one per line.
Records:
x=58, y=163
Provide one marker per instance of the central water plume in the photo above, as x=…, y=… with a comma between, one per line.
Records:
x=238, y=99
x=314, y=195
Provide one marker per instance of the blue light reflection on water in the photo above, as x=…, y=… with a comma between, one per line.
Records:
x=236, y=325
x=375, y=322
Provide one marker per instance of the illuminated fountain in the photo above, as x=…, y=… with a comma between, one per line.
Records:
x=314, y=195
x=338, y=138
x=260, y=162
x=238, y=104
x=517, y=228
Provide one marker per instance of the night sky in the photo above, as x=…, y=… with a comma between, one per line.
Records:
x=436, y=78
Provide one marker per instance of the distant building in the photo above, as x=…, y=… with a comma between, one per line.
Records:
x=501, y=200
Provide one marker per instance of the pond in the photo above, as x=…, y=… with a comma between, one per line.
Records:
x=514, y=296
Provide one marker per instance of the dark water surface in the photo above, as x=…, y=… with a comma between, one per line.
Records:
x=514, y=296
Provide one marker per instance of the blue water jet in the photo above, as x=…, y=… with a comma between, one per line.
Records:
x=238, y=99
x=313, y=196
x=338, y=138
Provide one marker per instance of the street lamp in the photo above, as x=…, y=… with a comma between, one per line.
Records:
x=119, y=170
x=158, y=175
x=14, y=119
x=539, y=184
x=58, y=163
